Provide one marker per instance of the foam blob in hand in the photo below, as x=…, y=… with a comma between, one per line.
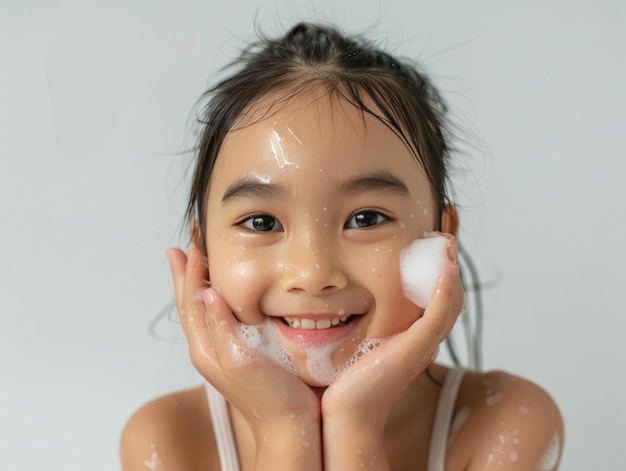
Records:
x=421, y=264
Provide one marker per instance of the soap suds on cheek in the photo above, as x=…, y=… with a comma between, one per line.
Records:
x=264, y=339
x=421, y=265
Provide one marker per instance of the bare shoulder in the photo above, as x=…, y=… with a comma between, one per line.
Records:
x=505, y=422
x=172, y=432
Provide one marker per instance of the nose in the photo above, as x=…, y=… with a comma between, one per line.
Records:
x=313, y=266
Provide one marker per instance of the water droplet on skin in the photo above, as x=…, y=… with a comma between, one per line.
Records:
x=551, y=457
x=154, y=460
x=491, y=400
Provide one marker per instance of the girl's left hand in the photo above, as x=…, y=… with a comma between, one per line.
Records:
x=365, y=393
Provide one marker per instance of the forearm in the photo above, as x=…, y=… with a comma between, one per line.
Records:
x=355, y=446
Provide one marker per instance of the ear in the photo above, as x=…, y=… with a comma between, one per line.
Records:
x=449, y=219
x=194, y=232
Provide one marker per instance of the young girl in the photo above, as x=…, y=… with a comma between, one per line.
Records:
x=321, y=159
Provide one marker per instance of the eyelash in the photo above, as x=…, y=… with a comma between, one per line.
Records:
x=380, y=218
x=248, y=223
x=273, y=225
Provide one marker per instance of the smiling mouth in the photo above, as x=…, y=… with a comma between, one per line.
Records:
x=317, y=324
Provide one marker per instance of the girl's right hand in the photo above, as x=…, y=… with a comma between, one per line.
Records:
x=271, y=399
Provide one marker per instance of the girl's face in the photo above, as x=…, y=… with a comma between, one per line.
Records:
x=308, y=210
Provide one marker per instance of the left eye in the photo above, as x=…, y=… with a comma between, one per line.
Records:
x=366, y=218
x=262, y=223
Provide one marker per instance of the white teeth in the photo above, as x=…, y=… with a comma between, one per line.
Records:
x=308, y=324
x=322, y=324
x=312, y=324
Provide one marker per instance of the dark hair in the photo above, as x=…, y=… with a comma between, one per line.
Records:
x=314, y=57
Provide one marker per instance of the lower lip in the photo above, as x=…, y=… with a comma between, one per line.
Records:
x=308, y=337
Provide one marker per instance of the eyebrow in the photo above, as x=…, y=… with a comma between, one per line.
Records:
x=251, y=187
x=377, y=181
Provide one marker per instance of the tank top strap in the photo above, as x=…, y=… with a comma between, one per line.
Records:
x=443, y=418
x=222, y=429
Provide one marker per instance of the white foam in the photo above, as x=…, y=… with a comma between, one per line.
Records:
x=319, y=362
x=421, y=264
x=550, y=458
x=263, y=338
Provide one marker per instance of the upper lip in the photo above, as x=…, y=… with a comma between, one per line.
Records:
x=316, y=315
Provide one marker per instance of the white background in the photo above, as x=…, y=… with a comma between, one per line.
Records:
x=95, y=105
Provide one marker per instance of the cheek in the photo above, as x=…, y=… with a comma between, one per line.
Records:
x=379, y=273
x=239, y=277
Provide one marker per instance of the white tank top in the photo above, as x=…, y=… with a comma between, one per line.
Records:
x=438, y=442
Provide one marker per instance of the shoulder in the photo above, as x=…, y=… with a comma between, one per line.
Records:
x=171, y=432
x=505, y=421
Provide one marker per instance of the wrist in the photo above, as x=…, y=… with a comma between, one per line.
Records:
x=293, y=446
x=354, y=444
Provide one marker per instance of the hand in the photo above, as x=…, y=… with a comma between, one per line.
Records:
x=362, y=396
x=270, y=398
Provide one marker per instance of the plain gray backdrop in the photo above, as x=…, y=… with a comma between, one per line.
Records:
x=96, y=102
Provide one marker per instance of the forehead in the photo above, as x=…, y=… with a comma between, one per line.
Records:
x=315, y=134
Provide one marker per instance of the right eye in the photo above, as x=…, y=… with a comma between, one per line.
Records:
x=261, y=223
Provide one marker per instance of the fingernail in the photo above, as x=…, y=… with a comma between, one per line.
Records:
x=453, y=250
x=208, y=297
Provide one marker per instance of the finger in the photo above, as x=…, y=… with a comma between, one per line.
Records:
x=418, y=345
x=178, y=262
x=222, y=329
x=195, y=281
x=445, y=305
x=200, y=336
x=236, y=349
